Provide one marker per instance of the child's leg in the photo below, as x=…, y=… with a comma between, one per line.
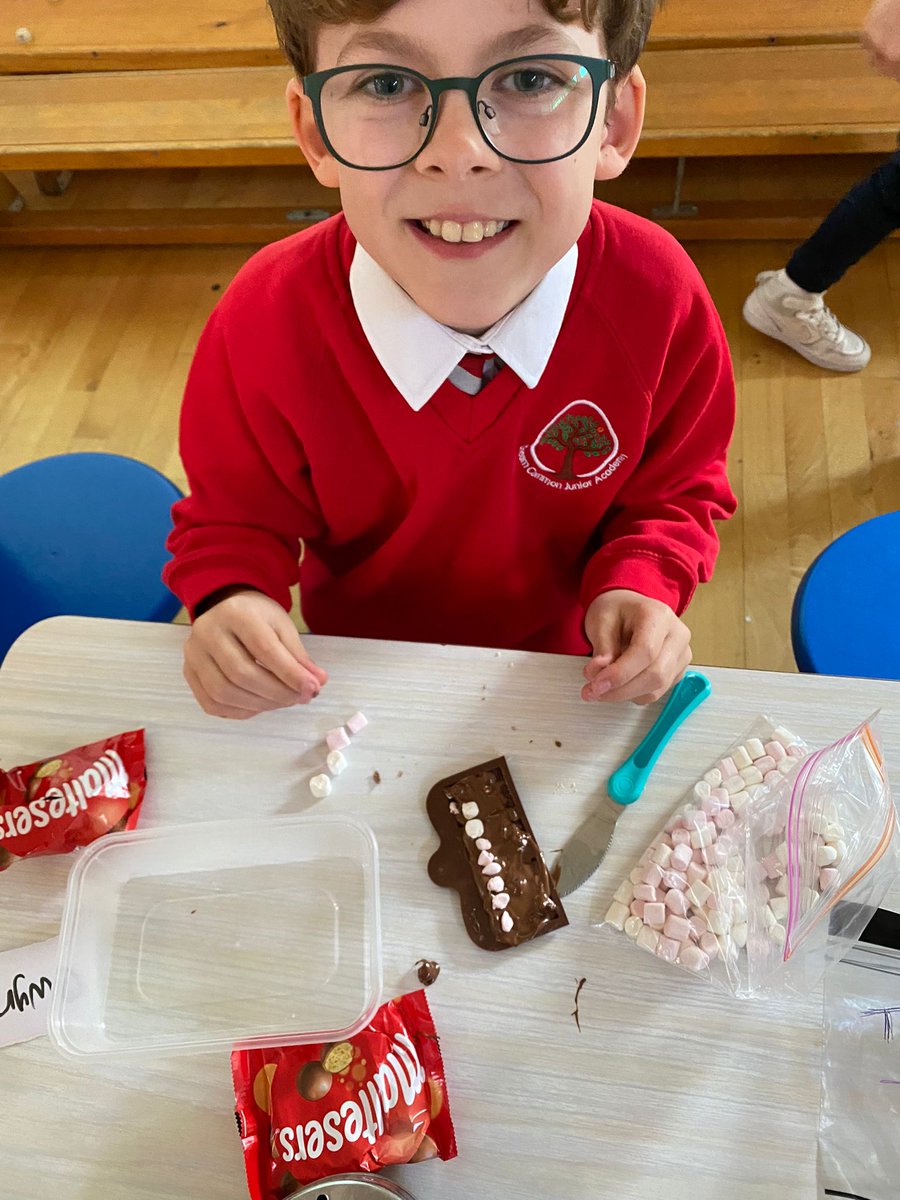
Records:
x=857, y=223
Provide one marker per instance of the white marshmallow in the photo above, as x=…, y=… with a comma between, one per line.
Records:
x=335, y=762
x=320, y=786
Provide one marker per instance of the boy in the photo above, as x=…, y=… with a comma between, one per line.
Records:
x=495, y=411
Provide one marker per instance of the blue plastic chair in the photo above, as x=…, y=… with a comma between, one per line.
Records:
x=83, y=535
x=846, y=614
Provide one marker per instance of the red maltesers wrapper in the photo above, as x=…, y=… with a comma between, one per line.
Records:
x=379, y=1098
x=60, y=803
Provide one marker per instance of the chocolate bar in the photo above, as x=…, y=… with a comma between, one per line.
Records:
x=488, y=853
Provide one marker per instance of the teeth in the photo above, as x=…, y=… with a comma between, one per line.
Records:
x=471, y=231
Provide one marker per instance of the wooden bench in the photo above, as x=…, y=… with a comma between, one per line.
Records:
x=788, y=86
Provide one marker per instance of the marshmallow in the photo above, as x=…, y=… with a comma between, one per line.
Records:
x=676, y=902
x=724, y=819
x=828, y=877
x=751, y=774
x=698, y=893
x=739, y=935
x=765, y=764
x=677, y=928
x=718, y=922
x=681, y=837
x=704, y=836
x=694, y=819
x=826, y=855
x=668, y=948
x=775, y=750
x=661, y=855
x=624, y=892
x=357, y=722
x=636, y=876
x=335, y=762
x=755, y=748
x=713, y=777
x=741, y=758
x=474, y=829
x=709, y=944
x=840, y=849
x=675, y=880
x=694, y=958
x=779, y=906
x=733, y=784
x=637, y=908
x=320, y=786
x=655, y=915
x=778, y=934
x=727, y=769
x=644, y=891
x=702, y=790
x=695, y=872
x=653, y=875
x=336, y=739
x=681, y=857
x=633, y=926
x=648, y=939
x=739, y=800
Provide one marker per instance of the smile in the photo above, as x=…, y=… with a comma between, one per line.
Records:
x=470, y=231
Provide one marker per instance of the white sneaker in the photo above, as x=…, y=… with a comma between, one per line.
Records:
x=803, y=321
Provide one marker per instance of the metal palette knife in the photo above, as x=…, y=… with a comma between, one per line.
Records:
x=584, y=851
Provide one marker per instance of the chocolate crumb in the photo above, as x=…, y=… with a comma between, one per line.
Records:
x=513, y=728
x=428, y=971
x=399, y=774
x=557, y=744
x=580, y=984
x=376, y=777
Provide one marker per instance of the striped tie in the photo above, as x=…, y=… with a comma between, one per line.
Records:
x=474, y=371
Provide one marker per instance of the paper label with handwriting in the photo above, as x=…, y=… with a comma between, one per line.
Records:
x=27, y=975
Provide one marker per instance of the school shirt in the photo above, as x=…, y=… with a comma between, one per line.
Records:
x=489, y=520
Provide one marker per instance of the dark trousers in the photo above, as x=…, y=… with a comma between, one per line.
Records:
x=865, y=217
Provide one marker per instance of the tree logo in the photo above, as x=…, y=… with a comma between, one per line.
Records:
x=576, y=445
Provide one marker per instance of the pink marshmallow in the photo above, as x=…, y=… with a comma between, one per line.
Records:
x=694, y=818
x=676, y=902
x=644, y=891
x=709, y=944
x=710, y=805
x=637, y=908
x=357, y=722
x=655, y=915
x=721, y=795
x=775, y=750
x=653, y=875
x=677, y=928
x=698, y=858
x=774, y=869
x=695, y=873
x=727, y=767
x=667, y=948
x=714, y=856
x=682, y=856
x=681, y=837
x=771, y=776
x=698, y=926
x=675, y=880
x=765, y=764
x=827, y=878
x=336, y=739
x=724, y=819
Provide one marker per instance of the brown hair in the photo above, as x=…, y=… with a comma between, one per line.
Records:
x=625, y=24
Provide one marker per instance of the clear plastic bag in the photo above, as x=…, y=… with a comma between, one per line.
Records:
x=859, y=1127
x=756, y=914
x=820, y=835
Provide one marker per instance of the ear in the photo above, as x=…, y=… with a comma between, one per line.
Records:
x=622, y=128
x=308, y=138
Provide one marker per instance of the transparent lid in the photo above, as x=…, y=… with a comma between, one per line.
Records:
x=197, y=937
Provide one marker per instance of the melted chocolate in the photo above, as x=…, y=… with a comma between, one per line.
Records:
x=534, y=907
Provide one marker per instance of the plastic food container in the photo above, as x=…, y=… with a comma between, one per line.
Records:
x=260, y=932
x=352, y=1187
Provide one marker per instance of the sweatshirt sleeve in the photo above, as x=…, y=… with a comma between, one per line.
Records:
x=658, y=537
x=251, y=498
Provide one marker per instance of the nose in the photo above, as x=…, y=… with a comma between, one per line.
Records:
x=457, y=148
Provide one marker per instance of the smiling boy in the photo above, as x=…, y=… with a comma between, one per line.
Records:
x=494, y=410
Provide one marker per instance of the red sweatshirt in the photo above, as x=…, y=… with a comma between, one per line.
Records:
x=488, y=520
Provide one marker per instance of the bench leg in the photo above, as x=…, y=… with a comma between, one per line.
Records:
x=665, y=212
x=52, y=183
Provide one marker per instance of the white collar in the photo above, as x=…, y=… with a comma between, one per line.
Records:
x=418, y=353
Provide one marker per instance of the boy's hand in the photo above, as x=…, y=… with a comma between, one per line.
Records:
x=244, y=656
x=881, y=37
x=640, y=648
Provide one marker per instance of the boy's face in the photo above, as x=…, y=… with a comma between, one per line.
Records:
x=458, y=177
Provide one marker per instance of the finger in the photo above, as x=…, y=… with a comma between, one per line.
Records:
x=210, y=706
x=605, y=635
x=646, y=643
x=266, y=647
x=239, y=668
x=595, y=665
x=216, y=685
x=657, y=678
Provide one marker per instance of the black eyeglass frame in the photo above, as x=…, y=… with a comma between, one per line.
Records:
x=601, y=70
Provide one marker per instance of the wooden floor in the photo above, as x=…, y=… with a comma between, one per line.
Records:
x=95, y=345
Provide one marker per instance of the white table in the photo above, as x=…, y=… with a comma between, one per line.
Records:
x=670, y=1089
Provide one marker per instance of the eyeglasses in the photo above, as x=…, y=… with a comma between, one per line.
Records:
x=535, y=109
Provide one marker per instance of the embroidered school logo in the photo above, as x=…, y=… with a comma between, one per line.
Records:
x=575, y=450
